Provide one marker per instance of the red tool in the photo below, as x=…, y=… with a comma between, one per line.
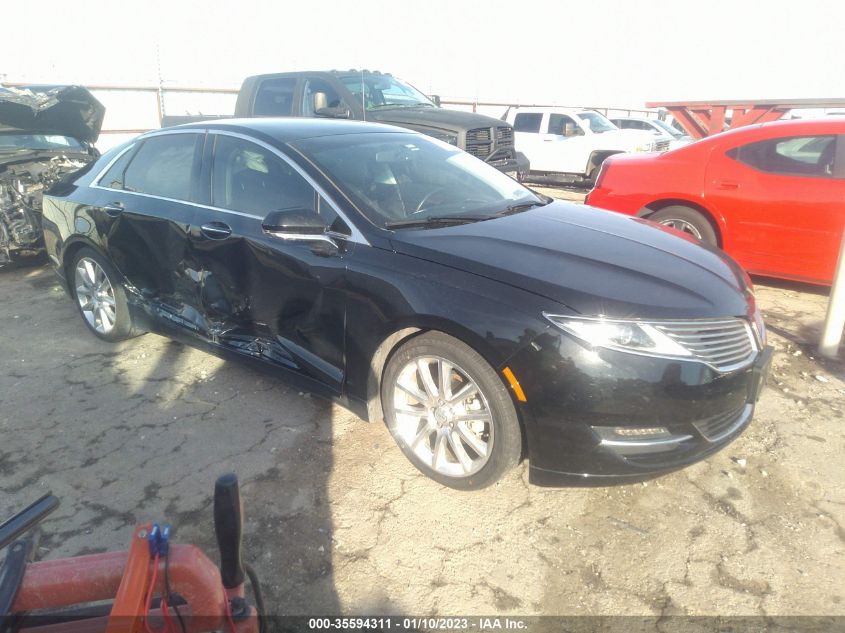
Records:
x=153, y=587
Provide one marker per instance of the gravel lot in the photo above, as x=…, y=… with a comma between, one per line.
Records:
x=338, y=520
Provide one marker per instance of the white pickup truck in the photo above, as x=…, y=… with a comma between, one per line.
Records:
x=569, y=146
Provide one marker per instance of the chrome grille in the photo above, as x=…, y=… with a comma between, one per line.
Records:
x=661, y=146
x=725, y=344
x=504, y=136
x=480, y=142
x=479, y=135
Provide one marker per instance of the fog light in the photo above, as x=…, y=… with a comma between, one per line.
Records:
x=656, y=431
x=632, y=434
x=635, y=440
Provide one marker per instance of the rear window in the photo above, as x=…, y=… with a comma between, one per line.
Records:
x=163, y=166
x=275, y=97
x=527, y=122
x=797, y=155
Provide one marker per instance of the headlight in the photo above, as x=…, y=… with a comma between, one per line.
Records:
x=621, y=335
x=446, y=137
x=647, y=147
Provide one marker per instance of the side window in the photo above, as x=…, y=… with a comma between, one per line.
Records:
x=527, y=122
x=113, y=178
x=558, y=123
x=275, y=97
x=312, y=87
x=798, y=155
x=163, y=166
x=246, y=177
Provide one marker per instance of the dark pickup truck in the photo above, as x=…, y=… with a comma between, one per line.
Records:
x=379, y=97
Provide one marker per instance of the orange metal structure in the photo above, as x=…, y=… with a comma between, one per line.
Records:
x=123, y=577
x=703, y=118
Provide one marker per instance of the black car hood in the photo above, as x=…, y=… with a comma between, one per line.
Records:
x=440, y=118
x=594, y=262
x=66, y=110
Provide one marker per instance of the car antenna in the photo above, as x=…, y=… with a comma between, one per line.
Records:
x=363, y=96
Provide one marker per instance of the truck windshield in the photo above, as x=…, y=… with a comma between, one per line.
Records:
x=667, y=128
x=409, y=179
x=384, y=91
x=598, y=123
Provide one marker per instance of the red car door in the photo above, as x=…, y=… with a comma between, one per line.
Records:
x=783, y=201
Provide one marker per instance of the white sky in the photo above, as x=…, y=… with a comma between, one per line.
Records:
x=590, y=52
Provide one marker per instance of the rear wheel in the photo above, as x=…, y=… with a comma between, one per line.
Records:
x=450, y=413
x=687, y=221
x=100, y=297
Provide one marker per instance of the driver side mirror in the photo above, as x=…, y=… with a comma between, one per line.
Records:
x=435, y=99
x=296, y=223
x=570, y=129
x=322, y=108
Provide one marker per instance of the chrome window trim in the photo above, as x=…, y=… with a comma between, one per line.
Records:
x=355, y=236
x=95, y=183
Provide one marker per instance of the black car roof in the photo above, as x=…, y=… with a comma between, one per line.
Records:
x=289, y=129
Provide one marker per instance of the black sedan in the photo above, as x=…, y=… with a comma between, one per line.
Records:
x=418, y=285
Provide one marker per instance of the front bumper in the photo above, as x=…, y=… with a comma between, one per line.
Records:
x=578, y=399
x=512, y=166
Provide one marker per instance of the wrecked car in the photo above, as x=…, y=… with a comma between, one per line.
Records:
x=415, y=284
x=46, y=133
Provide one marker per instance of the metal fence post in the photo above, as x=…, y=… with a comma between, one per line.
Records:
x=835, y=320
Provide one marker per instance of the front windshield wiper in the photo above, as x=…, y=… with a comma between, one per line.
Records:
x=523, y=206
x=436, y=221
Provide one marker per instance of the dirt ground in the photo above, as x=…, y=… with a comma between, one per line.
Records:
x=338, y=521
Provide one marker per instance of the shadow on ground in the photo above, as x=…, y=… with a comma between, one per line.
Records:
x=139, y=431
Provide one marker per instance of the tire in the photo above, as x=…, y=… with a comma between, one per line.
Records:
x=687, y=221
x=467, y=444
x=104, y=320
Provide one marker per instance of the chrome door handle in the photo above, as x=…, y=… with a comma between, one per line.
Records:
x=216, y=230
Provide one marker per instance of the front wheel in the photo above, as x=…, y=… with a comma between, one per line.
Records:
x=687, y=221
x=450, y=413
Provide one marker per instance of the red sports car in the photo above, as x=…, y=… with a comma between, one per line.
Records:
x=771, y=195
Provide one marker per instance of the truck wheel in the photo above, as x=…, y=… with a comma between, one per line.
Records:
x=450, y=413
x=687, y=221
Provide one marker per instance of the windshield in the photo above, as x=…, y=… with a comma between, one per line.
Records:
x=667, y=128
x=384, y=91
x=403, y=177
x=598, y=123
x=19, y=142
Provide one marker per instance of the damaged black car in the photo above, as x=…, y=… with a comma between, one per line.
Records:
x=46, y=133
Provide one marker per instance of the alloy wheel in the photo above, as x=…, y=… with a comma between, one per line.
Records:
x=683, y=226
x=443, y=416
x=95, y=295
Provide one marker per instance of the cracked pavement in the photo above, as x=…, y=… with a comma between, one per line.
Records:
x=338, y=521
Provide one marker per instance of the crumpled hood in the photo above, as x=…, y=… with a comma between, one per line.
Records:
x=441, y=118
x=595, y=262
x=66, y=110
